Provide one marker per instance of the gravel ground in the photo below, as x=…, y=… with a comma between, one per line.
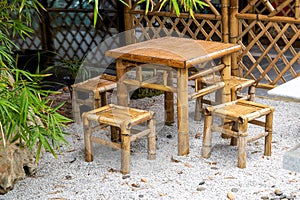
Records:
x=170, y=176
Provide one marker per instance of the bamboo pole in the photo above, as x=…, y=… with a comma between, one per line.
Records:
x=128, y=23
x=87, y=139
x=297, y=9
x=269, y=129
x=125, y=150
x=242, y=144
x=225, y=21
x=152, y=139
x=182, y=112
x=169, y=100
x=234, y=32
x=207, y=135
x=260, y=17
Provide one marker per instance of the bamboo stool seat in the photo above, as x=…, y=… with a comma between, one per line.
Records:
x=91, y=93
x=123, y=118
x=236, y=115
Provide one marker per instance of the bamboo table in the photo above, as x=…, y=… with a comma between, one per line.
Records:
x=179, y=54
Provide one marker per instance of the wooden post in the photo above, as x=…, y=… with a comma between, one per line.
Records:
x=125, y=150
x=242, y=143
x=46, y=33
x=269, y=130
x=169, y=101
x=182, y=112
x=87, y=139
x=234, y=31
x=207, y=135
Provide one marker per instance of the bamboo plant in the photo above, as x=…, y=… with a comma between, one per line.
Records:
x=25, y=115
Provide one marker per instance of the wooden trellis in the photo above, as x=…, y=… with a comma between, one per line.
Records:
x=269, y=34
x=67, y=28
x=165, y=23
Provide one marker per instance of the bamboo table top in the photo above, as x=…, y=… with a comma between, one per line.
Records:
x=174, y=51
x=288, y=91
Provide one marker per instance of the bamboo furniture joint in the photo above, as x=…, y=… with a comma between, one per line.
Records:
x=236, y=115
x=180, y=54
x=124, y=118
x=92, y=93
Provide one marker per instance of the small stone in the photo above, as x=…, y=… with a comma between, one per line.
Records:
x=290, y=198
x=234, y=190
x=202, y=183
x=197, y=135
x=136, y=185
x=187, y=165
x=201, y=189
x=214, y=168
x=144, y=180
x=230, y=196
x=141, y=196
x=126, y=176
x=169, y=136
x=265, y=197
x=278, y=192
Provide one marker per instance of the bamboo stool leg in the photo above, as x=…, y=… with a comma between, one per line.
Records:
x=251, y=93
x=268, y=138
x=125, y=150
x=87, y=139
x=242, y=144
x=75, y=107
x=233, y=141
x=207, y=136
x=198, y=106
x=103, y=99
x=151, y=140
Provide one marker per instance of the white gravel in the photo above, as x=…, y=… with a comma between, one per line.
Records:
x=169, y=176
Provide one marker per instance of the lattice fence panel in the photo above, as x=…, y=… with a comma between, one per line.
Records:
x=152, y=26
x=270, y=43
x=206, y=25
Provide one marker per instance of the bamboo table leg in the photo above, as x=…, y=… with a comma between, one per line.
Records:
x=182, y=112
x=169, y=101
x=122, y=96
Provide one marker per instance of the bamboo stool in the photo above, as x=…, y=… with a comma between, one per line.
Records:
x=237, y=114
x=124, y=118
x=95, y=89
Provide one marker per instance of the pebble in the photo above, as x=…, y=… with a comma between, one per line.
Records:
x=278, y=192
x=201, y=189
x=264, y=197
x=234, y=190
x=125, y=176
x=202, y=183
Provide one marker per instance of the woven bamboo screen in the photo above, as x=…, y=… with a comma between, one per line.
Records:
x=206, y=25
x=269, y=34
